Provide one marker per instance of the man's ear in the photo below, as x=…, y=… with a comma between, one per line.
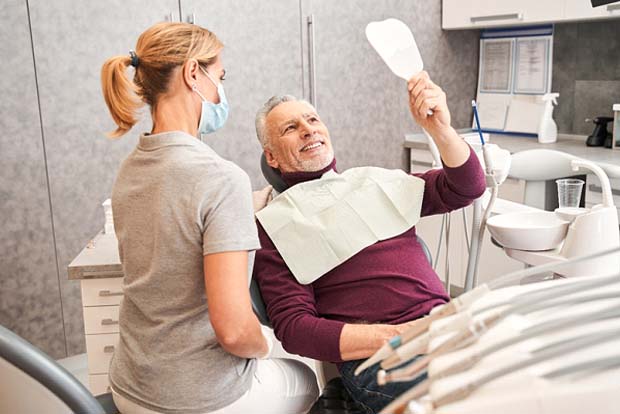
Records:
x=271, y=161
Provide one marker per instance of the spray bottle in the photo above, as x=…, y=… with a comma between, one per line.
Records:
x=548, y=130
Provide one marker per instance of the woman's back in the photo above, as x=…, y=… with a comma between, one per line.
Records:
x=174, y=201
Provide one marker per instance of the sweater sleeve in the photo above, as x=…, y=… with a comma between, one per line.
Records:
x=451, y=188
x=292, y=309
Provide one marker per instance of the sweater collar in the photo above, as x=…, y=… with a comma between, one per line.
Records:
x=292, y=178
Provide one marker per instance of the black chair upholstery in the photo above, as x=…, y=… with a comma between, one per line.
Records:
x=47, y=372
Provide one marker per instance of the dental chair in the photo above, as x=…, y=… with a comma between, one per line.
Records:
x=32, y=382
x=334, y=398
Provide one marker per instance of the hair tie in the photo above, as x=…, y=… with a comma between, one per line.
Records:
x=134, y=59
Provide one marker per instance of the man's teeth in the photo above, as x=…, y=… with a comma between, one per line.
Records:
x=312, y=146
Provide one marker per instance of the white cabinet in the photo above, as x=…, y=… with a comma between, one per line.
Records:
x=583, y=10
x=101, y=299
x=459, y=14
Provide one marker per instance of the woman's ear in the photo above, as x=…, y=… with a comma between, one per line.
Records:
x=190, y=73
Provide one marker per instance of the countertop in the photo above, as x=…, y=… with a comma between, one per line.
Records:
x=98, y=260
x=607, y=159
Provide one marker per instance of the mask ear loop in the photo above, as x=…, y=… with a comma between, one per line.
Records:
x=195, y=89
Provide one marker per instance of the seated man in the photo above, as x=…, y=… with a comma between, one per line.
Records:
x=346, y=314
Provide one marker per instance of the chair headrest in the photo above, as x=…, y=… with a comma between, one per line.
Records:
x=272, y=175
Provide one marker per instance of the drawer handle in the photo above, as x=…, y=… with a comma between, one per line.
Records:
x=107, y=293
x=108, y=349
x=102, y=273
x=509, y=16
x=108, y=321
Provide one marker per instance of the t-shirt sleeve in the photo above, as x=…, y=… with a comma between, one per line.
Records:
x=226, y=215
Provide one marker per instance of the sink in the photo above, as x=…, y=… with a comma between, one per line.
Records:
x=531, y=230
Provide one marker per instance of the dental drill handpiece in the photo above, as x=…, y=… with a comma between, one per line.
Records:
x=420, y=326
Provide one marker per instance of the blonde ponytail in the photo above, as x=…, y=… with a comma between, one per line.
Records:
x=119, y=93
x=159, y=50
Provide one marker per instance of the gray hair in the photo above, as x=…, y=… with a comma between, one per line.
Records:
x=261, y=115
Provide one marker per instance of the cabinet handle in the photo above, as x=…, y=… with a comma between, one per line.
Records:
x=509, y=16
x=108, y=349
x=108, y=321
x=311, y=63
x=191, y=18
x=597, y=189
x=94, y=274
x=107, y=293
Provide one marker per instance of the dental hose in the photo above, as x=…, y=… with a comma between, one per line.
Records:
x=471, y=277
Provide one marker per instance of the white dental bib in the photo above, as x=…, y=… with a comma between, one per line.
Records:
x=319, y=224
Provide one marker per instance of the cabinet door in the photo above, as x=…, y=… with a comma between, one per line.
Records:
x=29, y=295
x=357, y=96
x=364, y=105
x=262, y=57
x=583, y=10
x=71, y=40
x=458, y=14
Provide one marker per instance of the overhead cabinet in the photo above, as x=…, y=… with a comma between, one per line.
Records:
x=459, y=14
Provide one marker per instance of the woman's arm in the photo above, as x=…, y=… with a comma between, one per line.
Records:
x=226, y=283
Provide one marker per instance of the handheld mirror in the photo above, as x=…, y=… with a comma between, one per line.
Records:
x=394, y=42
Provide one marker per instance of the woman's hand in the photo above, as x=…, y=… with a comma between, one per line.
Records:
x=425, y=96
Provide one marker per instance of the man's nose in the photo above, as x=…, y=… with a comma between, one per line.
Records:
x=306, y=129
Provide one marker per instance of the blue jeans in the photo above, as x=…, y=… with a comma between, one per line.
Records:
x=365, y=390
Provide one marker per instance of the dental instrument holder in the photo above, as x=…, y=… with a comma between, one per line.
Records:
x=479, y=218
x=594, y=230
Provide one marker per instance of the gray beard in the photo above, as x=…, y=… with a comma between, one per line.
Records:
x=316, y=164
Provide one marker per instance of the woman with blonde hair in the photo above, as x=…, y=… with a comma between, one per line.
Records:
x=189, y=341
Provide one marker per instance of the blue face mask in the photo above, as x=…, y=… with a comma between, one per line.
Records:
x=213, y=116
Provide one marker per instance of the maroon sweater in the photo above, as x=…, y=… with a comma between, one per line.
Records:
x=389, y=282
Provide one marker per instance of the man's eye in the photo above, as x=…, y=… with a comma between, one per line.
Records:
x=289, y=128
x=313, y=119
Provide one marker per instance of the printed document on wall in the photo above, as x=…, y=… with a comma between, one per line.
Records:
x=532, y=65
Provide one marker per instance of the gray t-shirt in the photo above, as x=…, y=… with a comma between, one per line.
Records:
x=175, y=200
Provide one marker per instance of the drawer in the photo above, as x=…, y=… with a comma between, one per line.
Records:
x=99, y=349
x=98, y=292
x=99, y=384
x=100, y=319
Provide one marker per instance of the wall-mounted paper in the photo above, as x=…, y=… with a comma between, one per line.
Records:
x=496, y=65
x=524, y=114
x=532, y=61
x=492, y=109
